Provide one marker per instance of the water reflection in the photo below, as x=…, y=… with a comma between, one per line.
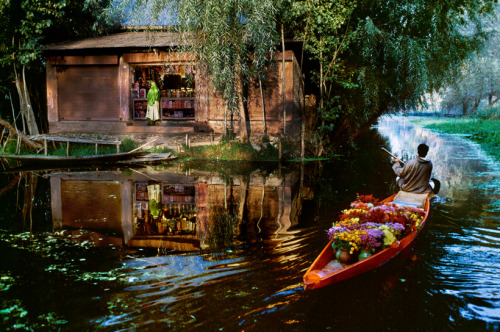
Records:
x=465, y=238
x=224, y=247
x=173, y=209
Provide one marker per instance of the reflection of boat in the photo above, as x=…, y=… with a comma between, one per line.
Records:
x=150, y=158
x=138, y=157
x=325, y=270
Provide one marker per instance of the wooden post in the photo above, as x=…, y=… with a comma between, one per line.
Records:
x=117, y=148
x=18, y=145
x=283, y=77
x=67, y=148
x=45, y=146
x=187, y=140
x=279, y=150
x=95, y=148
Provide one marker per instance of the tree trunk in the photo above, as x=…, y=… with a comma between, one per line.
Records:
x=321, y=79
x=245, y=180
x=283, y=77
x=491, y=100
x=242, y=109
x=263, y=106
x=225, y=120
x=25, y=103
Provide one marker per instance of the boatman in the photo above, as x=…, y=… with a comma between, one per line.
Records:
x=414, y=176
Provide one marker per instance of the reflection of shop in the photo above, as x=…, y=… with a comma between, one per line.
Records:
x=177, y=89
x=171, y=209
x=171, y=212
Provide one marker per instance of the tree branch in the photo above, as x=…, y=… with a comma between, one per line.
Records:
x=25, y=139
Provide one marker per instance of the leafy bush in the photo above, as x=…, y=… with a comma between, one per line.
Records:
x=128, y=144
x=490, y=112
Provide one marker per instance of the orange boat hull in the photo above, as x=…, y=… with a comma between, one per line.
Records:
x=318, y=276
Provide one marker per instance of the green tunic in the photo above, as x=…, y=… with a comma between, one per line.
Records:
x=153, y=94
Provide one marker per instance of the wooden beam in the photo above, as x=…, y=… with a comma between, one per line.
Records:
x=159, y=57
x=89, y=60
x=124, y=89
x=52, y=95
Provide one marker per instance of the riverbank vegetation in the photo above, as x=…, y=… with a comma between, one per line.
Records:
x=359, y=59
x=227, y=150
x=486, y=132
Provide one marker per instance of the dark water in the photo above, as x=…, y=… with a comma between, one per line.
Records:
x=234, y=240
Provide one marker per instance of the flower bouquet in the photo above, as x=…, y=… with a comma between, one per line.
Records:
x=369, y=226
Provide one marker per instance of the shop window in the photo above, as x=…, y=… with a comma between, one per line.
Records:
x=177, y=85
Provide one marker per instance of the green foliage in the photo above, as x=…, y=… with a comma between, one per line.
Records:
x=161, y=149
x=10, y=147
x=477, y=80
x=25, y=26
x=82, y=150
x=490, y=112
x=373, y=58
x=233, y=39
x=223, y=151
x=484, y=132
x=128, y=144
x=224, y=233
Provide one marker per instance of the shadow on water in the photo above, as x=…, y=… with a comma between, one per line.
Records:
x=224, y=246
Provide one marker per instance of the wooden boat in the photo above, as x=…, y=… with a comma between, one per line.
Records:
x=42, y=159
x=326, y=270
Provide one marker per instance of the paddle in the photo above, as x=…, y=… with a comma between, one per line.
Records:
x=437, y=183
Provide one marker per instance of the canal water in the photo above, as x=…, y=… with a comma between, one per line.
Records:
x=223, y=247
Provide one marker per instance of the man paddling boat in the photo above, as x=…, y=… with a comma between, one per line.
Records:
x=414, y=176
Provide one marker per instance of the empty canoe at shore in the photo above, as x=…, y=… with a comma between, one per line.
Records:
x=42, y=159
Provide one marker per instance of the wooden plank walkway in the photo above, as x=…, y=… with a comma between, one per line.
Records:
x=68, y=140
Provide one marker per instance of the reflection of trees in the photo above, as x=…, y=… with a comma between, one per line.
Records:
x=29, y=197
x=224, y=229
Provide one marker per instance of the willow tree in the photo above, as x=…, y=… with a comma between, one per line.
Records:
x=375, y=57
x=233, y=40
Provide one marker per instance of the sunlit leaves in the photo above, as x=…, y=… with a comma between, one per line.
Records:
x=23, y=25
x=382, y=56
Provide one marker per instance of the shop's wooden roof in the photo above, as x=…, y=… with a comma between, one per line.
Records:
x=129, y=39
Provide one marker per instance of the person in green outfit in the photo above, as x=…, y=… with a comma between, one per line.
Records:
x=153, y=113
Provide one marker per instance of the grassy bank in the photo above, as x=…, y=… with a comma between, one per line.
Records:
x=226, y=151
x=484, y=132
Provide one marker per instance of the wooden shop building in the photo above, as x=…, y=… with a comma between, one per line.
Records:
x=99, y=85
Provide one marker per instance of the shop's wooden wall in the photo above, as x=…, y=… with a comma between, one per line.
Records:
x=88, y=102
